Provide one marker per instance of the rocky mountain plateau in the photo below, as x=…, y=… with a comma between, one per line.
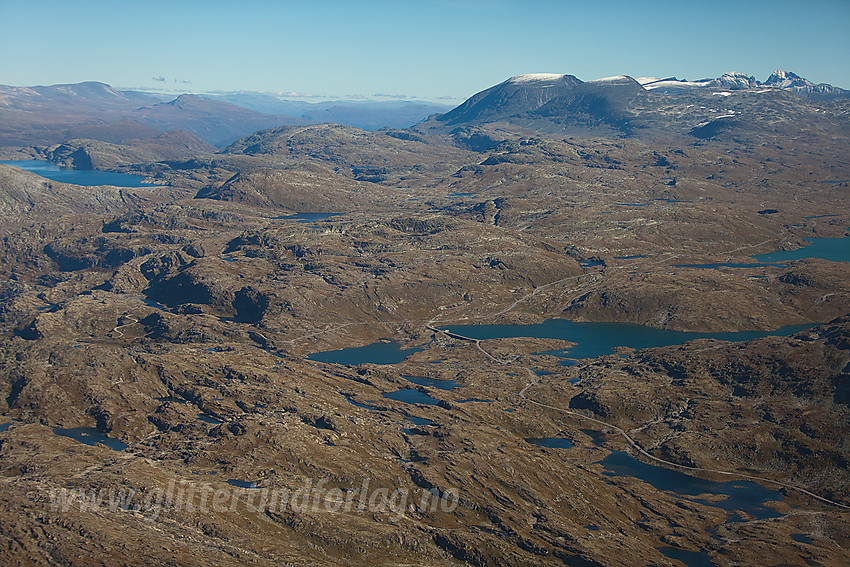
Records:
x=162, y=405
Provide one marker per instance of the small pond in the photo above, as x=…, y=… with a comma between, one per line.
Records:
x=206, y=418
x=308, y=217
x=689, y=558
x=448, y=385
x=381, y=352
x=90, y=436
x=551, y=442
x=411, y=396
x=367, y=405
x=242, y=483
x=802, y=538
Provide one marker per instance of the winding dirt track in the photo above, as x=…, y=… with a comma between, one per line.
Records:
x=117, y=330
x=648, y=455
x=534, y=379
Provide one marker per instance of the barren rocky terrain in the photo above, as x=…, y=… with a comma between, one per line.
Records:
x=179, y=319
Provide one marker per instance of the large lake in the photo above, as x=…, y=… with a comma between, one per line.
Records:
x=594, y=339
x=739, y=495
x=88, y=178
x=834, y=249
x=597, y=339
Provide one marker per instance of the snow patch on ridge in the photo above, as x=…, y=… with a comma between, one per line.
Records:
x=536, y=77
x=614, y=79
x=673, y=82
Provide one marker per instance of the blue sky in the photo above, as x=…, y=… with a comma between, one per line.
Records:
x=431, y=49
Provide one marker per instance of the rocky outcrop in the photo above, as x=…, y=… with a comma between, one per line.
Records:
x=95, y=154
x=26, y=197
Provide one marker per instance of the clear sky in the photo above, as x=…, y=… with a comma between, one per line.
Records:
x=430, y=49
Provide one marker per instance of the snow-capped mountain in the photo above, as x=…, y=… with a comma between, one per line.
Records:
x=734, y=106
x=784, y=80
x=730, y=81
x=517, y=94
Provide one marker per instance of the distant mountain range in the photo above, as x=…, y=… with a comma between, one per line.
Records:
x=733, y=106
x=45, y=115
x=364, y=114
x=59, y=113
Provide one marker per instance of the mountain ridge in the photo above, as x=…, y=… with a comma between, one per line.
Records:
x=779, y=79
x=734, y=106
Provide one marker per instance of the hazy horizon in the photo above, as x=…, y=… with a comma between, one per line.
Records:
x=432, y=50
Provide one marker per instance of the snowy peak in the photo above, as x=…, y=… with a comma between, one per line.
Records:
x=536, y=78
x=781, y=80
x=523, y=93
x=786, y=79
x=735, y=81
x=732, y=107
x=88, y=91
x=617, y=79
x=727, y=81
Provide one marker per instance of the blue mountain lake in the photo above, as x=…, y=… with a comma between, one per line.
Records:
x=597, y=339
x=551, y=442
x=308, y=217
x=90, y=436
x=411, y=396
x=594, y=339
x=433, y=382
x=834, y=249
x=741, y=495
x=376, y=353
x=85, y=177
